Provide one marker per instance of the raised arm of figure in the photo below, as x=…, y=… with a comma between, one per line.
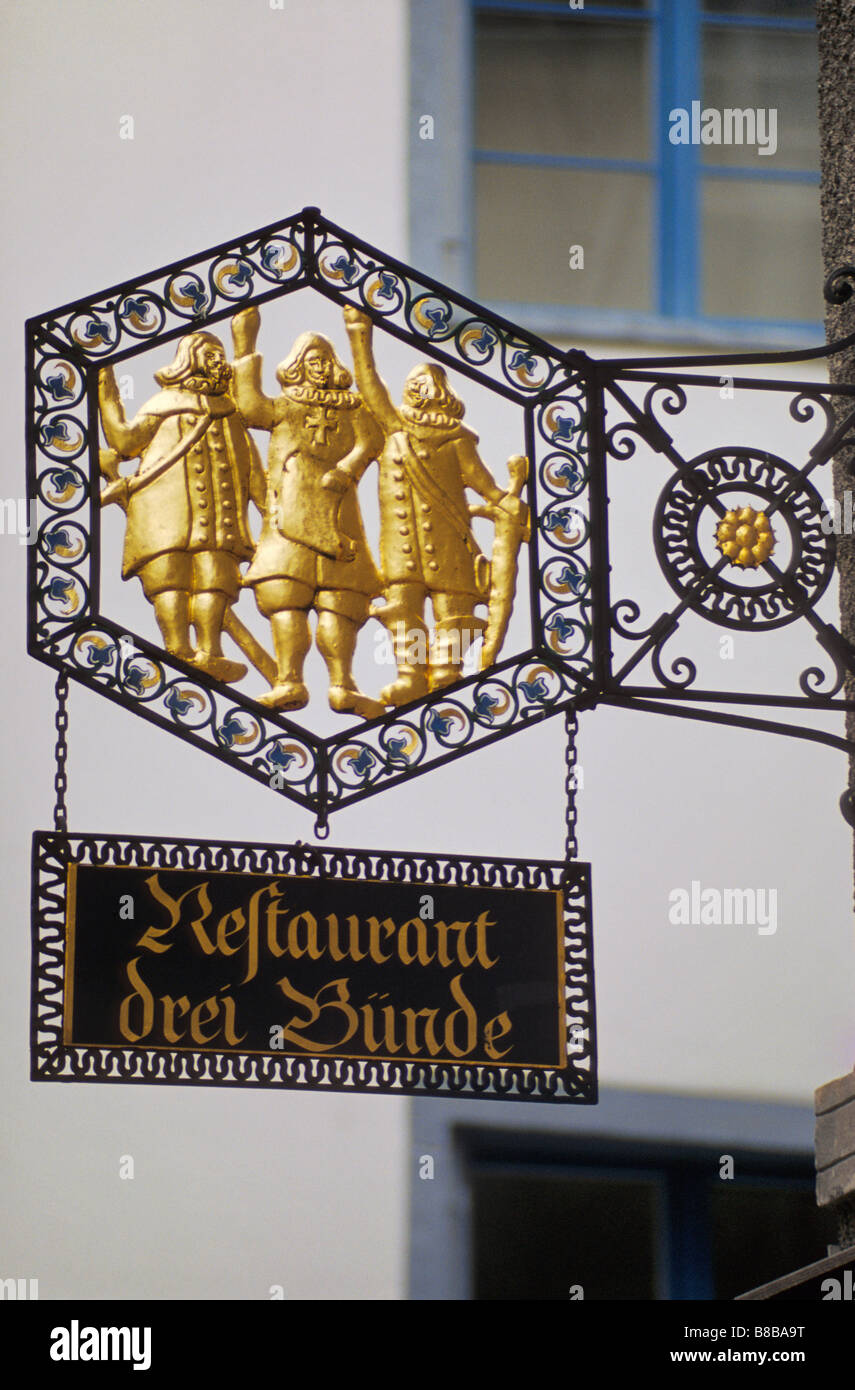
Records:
x=127, y=438
x=257, y=409
x=371, y=388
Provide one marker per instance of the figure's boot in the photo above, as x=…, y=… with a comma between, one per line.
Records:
x=172, y=611
x=291, y=639
x=452, y=638
x=207, y=611
x=410, y=646
x=336, y=639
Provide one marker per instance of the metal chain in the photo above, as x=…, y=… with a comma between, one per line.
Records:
x=60, y=781
x=571, y=728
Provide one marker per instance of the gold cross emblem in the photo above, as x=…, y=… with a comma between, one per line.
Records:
x=321, y=420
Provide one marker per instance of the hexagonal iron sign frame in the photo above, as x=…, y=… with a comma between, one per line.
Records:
x=68, y=630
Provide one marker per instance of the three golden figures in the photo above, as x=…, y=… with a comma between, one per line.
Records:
x=187, y=508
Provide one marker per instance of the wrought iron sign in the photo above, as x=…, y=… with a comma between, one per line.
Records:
x=239, y=563
x=259, y=965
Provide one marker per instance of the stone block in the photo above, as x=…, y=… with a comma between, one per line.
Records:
x=835, y=1140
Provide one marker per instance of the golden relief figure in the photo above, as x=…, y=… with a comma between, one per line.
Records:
x=312, y=551
x=187, y=528
x=187, y=507
x=427, y=547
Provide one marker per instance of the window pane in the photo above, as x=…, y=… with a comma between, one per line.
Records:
x=761, y=1233
x=781, y=9
x=755, y=68
x=534, y=1238
x=565, y=4
x=574, y=87
x=527, y=219
x=761, y=250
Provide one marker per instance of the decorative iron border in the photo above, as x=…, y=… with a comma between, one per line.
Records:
x=54, y=1060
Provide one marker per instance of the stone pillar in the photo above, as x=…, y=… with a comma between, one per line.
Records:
x=835, y=1155
x=835, y=21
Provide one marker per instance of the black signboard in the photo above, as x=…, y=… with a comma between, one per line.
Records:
x=306, y=967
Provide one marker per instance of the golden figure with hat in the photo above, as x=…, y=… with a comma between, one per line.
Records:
x=427, y=546
x=187, y=529
x=312, y=551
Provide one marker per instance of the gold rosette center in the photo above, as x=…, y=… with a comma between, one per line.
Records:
x=745, y=537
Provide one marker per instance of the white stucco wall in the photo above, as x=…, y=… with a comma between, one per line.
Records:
x=243, y=114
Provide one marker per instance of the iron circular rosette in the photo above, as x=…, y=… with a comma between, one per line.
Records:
x=286, y=762
x=278, y=259
x=239, y=732
x=62, y=489
x=403, y=744
x=62, y=438
x=58, y=384
x=739, y=535
x=142, y=315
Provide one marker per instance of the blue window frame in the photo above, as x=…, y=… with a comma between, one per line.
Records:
x=682, y=180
